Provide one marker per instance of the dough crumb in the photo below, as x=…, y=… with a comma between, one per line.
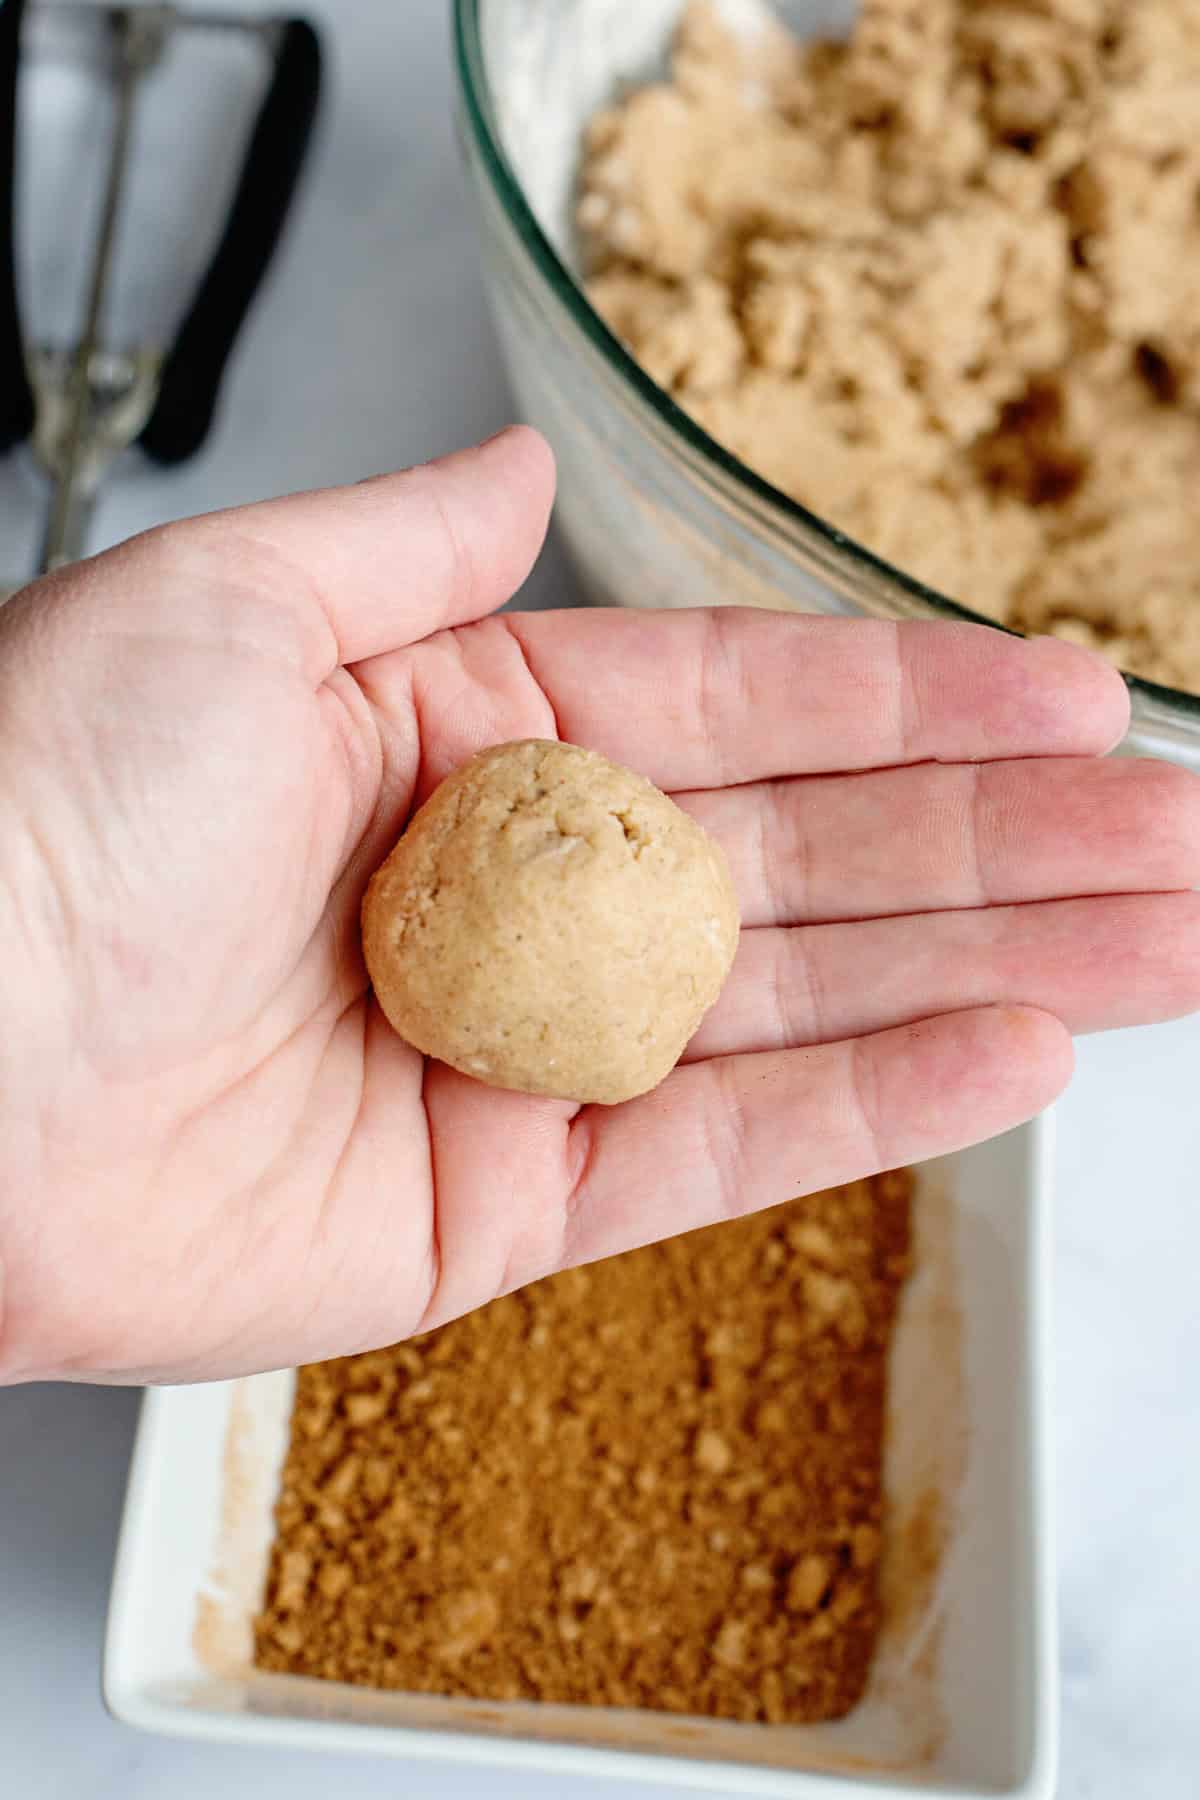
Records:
x=575, y=1502
x=940, y=284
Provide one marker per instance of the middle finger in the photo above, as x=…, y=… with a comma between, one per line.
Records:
x=938, y=837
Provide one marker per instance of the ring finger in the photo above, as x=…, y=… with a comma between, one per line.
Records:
x=1094, y=964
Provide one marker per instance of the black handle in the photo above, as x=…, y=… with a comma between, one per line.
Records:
x=194, y=367
x=16, y=395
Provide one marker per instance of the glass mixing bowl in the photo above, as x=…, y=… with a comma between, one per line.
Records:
x=654, y=512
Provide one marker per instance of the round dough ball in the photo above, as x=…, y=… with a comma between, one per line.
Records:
x=550, y=922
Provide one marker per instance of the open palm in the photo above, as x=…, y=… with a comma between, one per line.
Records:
x=214, y=1154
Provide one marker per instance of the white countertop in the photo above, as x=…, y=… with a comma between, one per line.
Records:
x=372, y=349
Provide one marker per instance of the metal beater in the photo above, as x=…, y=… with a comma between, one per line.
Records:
x=80, y=408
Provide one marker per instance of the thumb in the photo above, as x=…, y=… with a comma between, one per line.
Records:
x=401, y=556
x=396, y=558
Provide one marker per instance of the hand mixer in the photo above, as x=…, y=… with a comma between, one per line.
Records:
x=80, y=408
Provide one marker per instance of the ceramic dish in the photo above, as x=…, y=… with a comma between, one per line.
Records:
x=962, y=1697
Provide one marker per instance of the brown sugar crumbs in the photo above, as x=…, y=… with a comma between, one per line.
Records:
x=940, y=283
x=653, y=1483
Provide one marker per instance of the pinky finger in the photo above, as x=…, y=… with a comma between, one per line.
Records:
x=729, y=1136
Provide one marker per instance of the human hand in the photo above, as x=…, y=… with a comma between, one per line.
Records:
x=214, y=1154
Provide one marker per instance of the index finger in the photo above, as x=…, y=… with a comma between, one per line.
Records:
x=725, y=695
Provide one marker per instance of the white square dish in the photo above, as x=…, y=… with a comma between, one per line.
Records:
x=962, y=1699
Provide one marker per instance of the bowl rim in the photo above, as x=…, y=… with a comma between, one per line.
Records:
x=793, y=521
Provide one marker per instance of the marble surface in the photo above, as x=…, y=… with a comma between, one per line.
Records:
x=370, y=349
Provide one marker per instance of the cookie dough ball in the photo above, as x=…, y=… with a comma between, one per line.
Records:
x=550, y=922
